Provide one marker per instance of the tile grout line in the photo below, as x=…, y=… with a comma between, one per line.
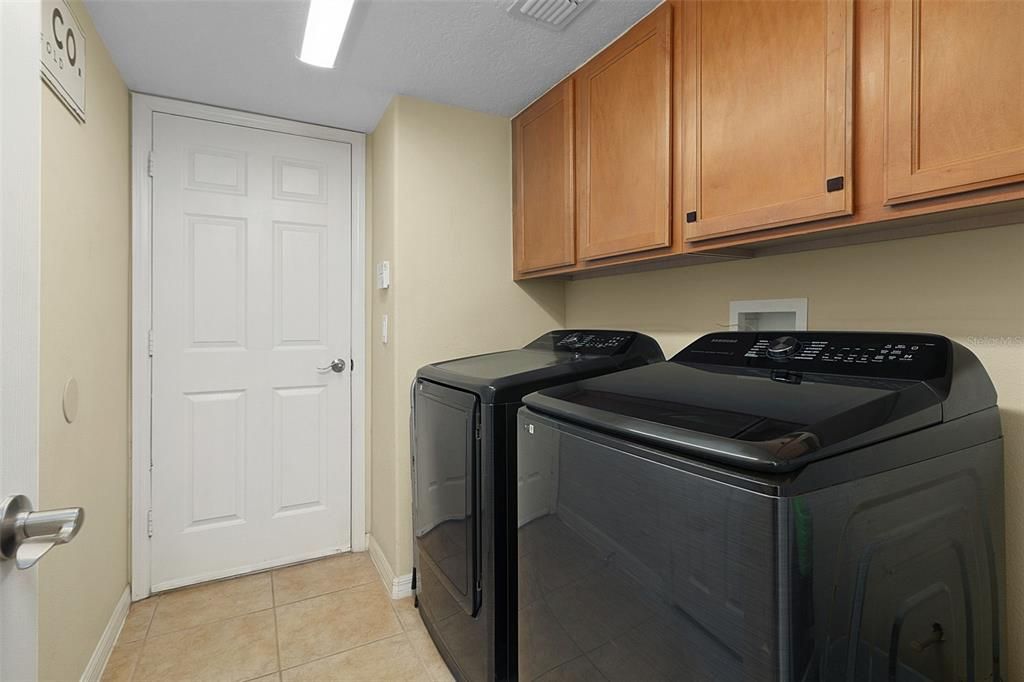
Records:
x=152, y=617
x=199, y=586
x=415, y=649
x=246, y=613
x=282, y=669
x=345, y=651
x=140, y=642
x=277, y=636
x=144, y=641
x=324, y=594
x=405, y=633
x=142, y=652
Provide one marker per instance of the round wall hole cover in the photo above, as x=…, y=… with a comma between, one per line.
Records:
x=70, y=400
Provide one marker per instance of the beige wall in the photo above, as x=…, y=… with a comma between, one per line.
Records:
x=968, y=286
x=443, y=216
x=383, y=428
x=84, y=293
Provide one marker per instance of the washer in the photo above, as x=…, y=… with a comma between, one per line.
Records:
x=800, y=506
x=465, y=485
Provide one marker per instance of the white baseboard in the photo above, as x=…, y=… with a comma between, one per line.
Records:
x=399, y=586
x=94, y=669
x=402, y=586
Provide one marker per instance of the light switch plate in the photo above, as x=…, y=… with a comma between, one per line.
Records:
x=383, y=274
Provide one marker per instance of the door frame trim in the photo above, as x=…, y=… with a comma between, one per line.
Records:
x=21, y=184
x=144, y=107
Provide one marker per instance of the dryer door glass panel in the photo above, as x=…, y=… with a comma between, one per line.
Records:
x=447, y=498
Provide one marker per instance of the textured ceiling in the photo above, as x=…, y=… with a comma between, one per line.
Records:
x=241, y=54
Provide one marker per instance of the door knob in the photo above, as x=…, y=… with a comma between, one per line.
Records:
x=337, y=365
x=27, y=535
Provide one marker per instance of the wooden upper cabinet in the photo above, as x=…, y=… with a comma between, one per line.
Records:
x=768, y=114
x=955, y=114
x=544, y=199
x=623, y=142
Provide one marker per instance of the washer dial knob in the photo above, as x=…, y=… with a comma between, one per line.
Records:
x=783, y=347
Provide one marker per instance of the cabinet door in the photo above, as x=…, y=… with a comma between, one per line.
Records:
x=623, y=128
x=955, y=115
x=545, y=211
x=768, y=113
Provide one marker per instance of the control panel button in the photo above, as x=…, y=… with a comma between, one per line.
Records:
x=783, y=347
x=786, y=377
x=597, y=342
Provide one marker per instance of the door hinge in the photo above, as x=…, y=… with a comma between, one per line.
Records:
x=150, y=163
x=149, y=343
x=149, y=523
x=477, y=432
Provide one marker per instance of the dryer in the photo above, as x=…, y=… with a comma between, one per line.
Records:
x=466, y=484
x=800, y=506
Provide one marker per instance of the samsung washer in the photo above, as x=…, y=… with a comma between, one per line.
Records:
x=801, y=506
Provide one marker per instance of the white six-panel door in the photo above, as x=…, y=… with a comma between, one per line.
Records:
x=251, y=295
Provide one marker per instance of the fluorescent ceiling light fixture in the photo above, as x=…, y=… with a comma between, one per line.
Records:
x=325, y=27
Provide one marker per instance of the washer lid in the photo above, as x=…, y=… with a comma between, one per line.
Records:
x=718, y=399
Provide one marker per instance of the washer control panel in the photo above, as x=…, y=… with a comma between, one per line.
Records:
x=910, y=356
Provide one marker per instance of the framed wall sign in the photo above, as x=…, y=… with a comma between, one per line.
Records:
x=62, y=41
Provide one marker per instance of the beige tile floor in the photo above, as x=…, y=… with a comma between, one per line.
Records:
x=329, y=619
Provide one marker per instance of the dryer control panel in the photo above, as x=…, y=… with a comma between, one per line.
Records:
x=586, y=342
x=886, y=355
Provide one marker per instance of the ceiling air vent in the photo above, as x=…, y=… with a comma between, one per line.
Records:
x=551, y=14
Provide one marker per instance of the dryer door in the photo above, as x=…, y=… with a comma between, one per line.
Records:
x=447, y=470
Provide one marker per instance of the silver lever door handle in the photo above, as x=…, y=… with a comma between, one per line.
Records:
x=27, y=535
x=337, y=365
